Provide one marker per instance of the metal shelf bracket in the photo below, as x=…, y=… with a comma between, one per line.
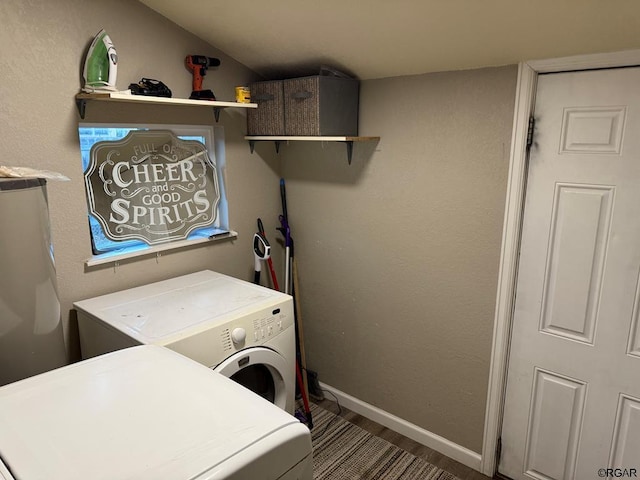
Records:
x=81, y=103
x=349, y=151
x=252, y=145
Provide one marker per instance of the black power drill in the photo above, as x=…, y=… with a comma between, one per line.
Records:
x=198, y=65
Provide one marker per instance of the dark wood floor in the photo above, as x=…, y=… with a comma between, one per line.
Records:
x=461, y=471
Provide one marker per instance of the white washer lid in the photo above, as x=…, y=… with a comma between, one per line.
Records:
x=140, y=413
x=163, y=312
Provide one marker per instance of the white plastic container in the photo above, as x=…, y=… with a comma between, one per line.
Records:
x=31, y=338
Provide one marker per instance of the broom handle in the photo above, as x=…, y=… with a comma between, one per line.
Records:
x=296, y=296
x=287, y=269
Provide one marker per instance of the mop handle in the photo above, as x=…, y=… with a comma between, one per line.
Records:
x=261, y=251
x=272, y=271
x=261, y=247
x=287, y=242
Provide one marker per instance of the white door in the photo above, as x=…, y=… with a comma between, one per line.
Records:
x=573, y=388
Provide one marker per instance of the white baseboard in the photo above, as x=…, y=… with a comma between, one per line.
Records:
x=452, y=450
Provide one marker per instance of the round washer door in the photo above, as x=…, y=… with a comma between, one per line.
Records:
x=261, y=370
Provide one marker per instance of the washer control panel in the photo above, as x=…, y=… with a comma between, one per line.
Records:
x=257, y=328
x=266, y=327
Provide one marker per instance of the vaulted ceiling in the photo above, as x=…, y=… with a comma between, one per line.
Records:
x=385, y=38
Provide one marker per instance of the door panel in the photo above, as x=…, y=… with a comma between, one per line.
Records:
x=592, y=130
x=634, y=334
x=580, y=225
x=554, y=425
x=573, y=383
x=626, y=443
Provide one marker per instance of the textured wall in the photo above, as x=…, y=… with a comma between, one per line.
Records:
x=398, y=253
x=41, y=51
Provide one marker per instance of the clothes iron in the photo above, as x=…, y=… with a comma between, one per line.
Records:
x=101, y=65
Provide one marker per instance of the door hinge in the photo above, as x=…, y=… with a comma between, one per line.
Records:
x=498, y=451
x=532, y=124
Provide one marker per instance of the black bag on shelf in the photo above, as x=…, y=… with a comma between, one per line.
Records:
x=150, y=87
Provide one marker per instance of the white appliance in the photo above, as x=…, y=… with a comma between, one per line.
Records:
x=145, y=413
x=31, y=339
x=242, y=330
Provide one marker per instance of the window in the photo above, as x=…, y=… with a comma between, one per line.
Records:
x=152, y=184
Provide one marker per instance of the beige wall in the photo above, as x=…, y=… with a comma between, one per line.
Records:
x=41, y=50
x=398, y=253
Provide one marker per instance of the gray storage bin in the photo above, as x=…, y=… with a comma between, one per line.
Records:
x=321, y=106
x=268, y=118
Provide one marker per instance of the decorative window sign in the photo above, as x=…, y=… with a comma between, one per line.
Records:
x=151, y=186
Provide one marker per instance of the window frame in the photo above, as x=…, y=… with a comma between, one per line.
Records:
x=214, y=144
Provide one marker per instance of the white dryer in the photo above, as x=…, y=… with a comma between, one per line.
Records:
x=145, y=413
x=241, y=330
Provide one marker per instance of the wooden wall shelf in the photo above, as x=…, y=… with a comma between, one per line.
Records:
x=347, y=140
x=83, y=98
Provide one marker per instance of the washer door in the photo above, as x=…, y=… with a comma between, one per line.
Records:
x=261, y=370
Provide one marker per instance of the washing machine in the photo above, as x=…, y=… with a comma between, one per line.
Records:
x=241, y=330
x=145, y=413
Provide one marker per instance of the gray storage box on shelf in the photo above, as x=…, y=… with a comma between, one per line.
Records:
x=268, y=118
x=320, y=106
